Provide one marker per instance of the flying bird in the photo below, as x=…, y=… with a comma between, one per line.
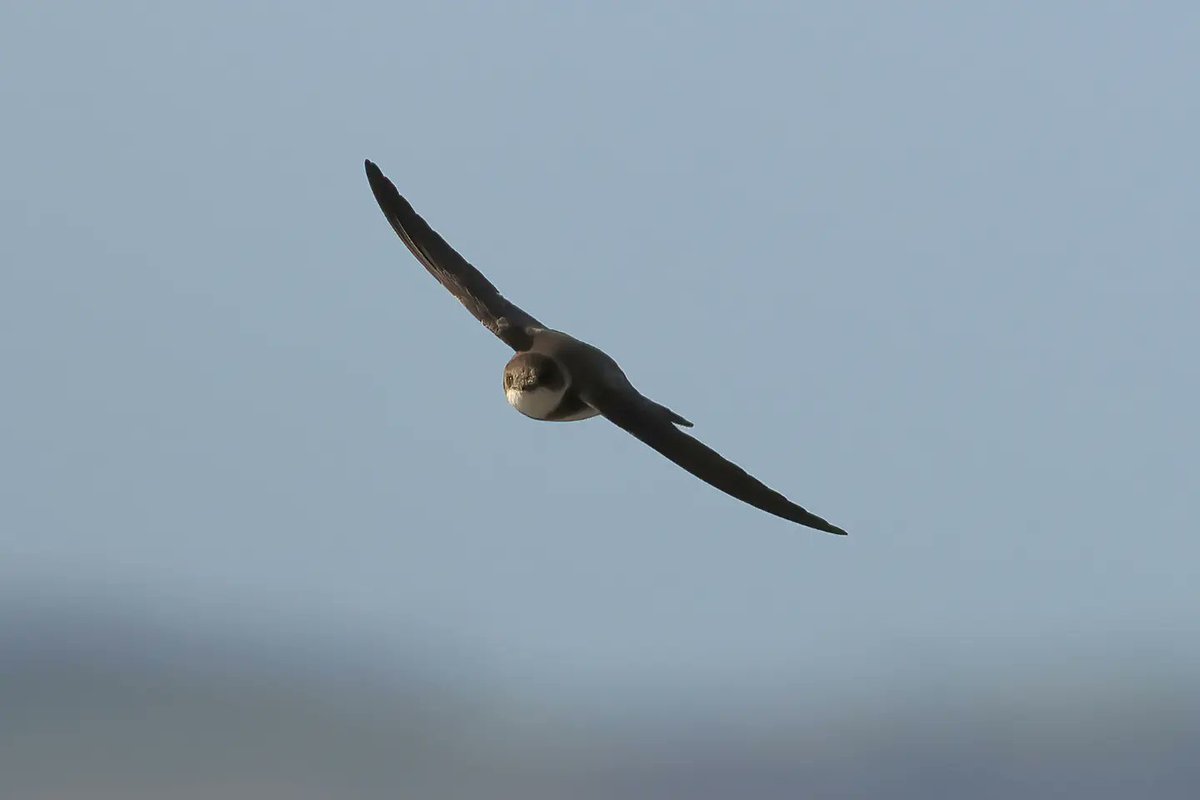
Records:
x=556, y=377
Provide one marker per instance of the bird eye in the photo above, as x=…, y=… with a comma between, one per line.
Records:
x=508, y=380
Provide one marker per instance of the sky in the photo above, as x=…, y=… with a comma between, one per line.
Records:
x=930, y=270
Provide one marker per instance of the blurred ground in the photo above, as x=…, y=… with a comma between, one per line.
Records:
x=103, y=702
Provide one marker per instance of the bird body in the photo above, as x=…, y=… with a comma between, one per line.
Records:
x=539, y=386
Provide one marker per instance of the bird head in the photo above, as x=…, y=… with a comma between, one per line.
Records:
x=534, y=384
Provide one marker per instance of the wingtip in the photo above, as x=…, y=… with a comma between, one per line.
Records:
x=821, y=525
x=384, y=190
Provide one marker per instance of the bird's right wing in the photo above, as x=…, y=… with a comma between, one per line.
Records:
x=645, y=419
x=453, y=271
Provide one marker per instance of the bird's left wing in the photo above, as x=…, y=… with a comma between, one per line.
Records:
x=645, y=419
x=468, y=284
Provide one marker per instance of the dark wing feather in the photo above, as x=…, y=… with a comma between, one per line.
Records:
x=636, y=415
x=453, y=271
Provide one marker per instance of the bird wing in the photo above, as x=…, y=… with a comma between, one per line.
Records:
x=644, y=419
x=453, y=271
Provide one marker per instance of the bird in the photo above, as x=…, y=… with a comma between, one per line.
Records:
x=555, y=377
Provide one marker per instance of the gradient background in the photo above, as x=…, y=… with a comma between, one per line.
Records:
x=268, y=527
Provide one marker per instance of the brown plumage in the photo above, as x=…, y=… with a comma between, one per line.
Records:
x=556, y=377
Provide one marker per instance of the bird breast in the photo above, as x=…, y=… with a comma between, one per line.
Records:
x=539, y=402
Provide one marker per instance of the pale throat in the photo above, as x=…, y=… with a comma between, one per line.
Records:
x=538, y=402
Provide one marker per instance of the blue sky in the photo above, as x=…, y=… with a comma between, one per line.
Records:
x=930, y=270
